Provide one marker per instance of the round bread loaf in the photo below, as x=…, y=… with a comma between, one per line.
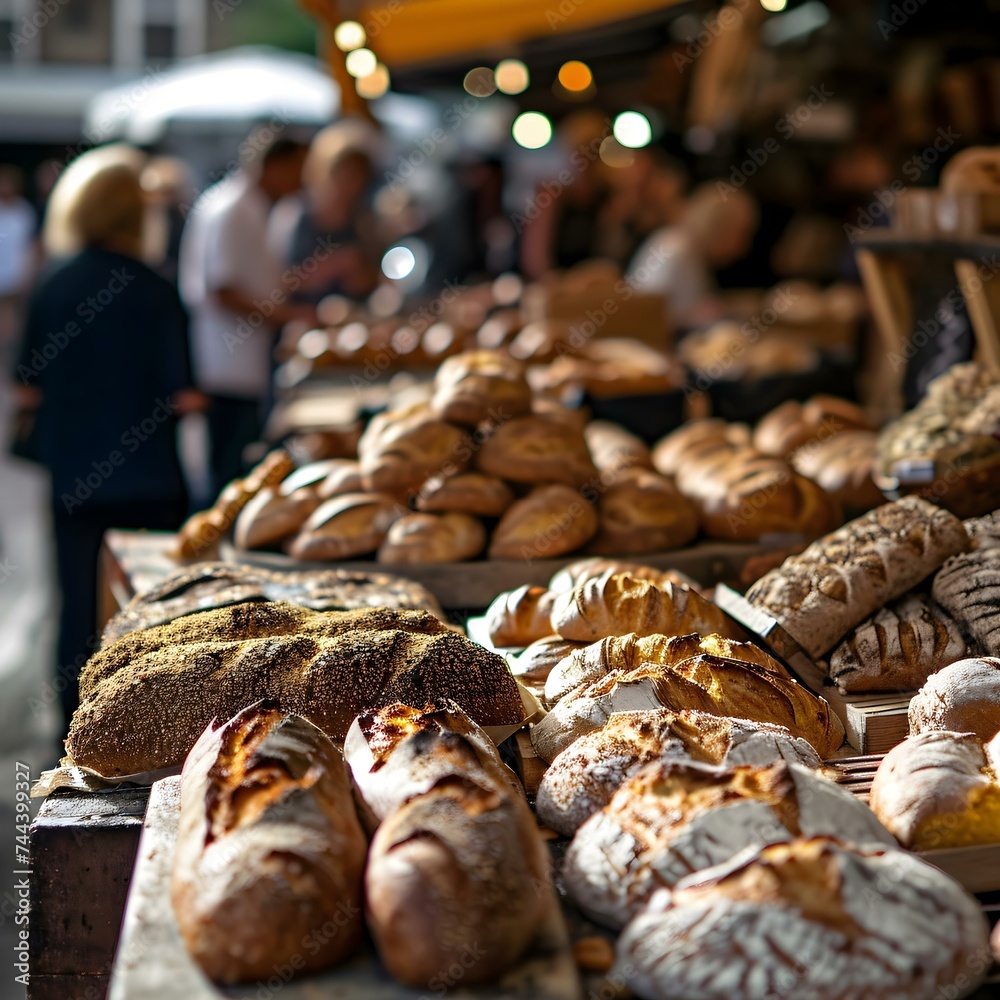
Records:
x=467, y=493
x=670, y=455
x=354, y=524
x=549, y=522
x=433, y=538
x=614, y=449
x=480, y=386
x=533, y=449
x=962, y=698
x=842, y=465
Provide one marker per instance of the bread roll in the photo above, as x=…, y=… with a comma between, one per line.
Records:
x=584, y=777
x=466, y=493
x=940, y=789
x=146, y=698
x=643, y=512
x=533, y=449
x=792, y=425
x=271, y=517
x=536, y=661
x=346, y=526
x=810, y=918
x=310, y=475
x=672, y=451
x=549, y=522
x=842, y=465
x=344, y=477
x=968, y=588
x=964, y=697
x=628, y=652
x=520, y=617
x=454, y=869
x=433, y=538
x=717, y=685
x=838, y=581
x=617, y=603
x=480, y=386
x=270, y=853
x=614, y=449
x=672, y=818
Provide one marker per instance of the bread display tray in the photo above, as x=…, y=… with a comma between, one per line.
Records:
x=153, y=964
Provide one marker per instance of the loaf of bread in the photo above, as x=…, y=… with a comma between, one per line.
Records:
x=673, y=818
x=344, y=477
x=897, y=648
x=400, y=451
x=272, y=516
x=204, y=586
x=433, y=538
x=615, y=449
x=480, y=386
x=984, y=531
x=146, y=698
x=584, y=777
x=793, y=425
x=309, y=476
x=576, y=572
x=717, y=685
x=838, y=581
x=842, y=465
x=940, y=789
x=617, y=603
x=642, y=512
x=964, y=697
x=628, y=652
x=343, y=527
x=534, y=449
x=673, y=452
x=520, y=617
x=534, y=664
x=467, y=493
x=457, y=866
x=549, y=522
x=968, y=588
x=809, y=918
x=269, y=850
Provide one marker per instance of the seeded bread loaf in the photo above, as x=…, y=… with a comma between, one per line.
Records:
x=968, y=588
x=838, y=581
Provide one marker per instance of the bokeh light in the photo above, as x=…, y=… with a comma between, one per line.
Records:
x=361, y=62
x=632, y=129
x=398, y=263
x=349, y=35
x=511, y=76
x=375, y=84
x=531, y=129
x=480, y=82
x=575, y=75
x=774, y=5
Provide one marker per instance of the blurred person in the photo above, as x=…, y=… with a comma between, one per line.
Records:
x=104, y=368
x=714, y=230
x=17, y=237
x=238, y=296
x=329, y=224
x=169, y=188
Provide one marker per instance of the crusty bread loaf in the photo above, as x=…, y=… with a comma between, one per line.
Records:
x=480, y=386
x=617, y=603
x=838, y=581
x=269, y=849
x=964, y=697
x=536, y=661
x=344, y=477
x=534, y=449
x=271, y=516
x=842, y=465
x=520, y=617
x=574, y=573
x=457, y=866
x=615, y=449
x=984, y=531
x=940, y=789
x=467, y=493
x=310, y=475
x=714, y=684
x=642, y=512
x=584, y=777
x=630, y=651
x=673, y=818
x=433, y=538
x=672, y=453
x=809, y=918
x=146, y=698
x=792, y=424
x=342, y=527
x=897, y=648
x=549, y=522
x=968, y=588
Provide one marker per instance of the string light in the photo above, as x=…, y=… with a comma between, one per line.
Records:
x=531, y=129
x=361, y=62
x=632, y=129
x=774, y=5
x=512, y=76
x=575, y=76
x=349, y=35
x=375, y=84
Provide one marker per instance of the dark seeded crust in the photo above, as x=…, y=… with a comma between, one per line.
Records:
x=146, y=698
x=968, y=587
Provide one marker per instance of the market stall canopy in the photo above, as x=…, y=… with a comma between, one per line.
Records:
x=244, y=84
x=405, y=32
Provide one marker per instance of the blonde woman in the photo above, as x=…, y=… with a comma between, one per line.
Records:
x=104, y=362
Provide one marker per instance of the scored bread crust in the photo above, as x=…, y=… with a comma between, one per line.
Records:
x=270, y=517
x=535, y=662
x=353, y=524
x=968, y=588
x=583, y=778
x=432, y=538
x=480, y=386
x=269, y=848
x=520, y=617
x=809, y=919
x=964, y=697
x=466, y=493
x=550, y=521
x=838, y=581
x=671, y=819
x=534, y=449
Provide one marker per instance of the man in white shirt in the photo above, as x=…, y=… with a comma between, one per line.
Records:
x=237, y=294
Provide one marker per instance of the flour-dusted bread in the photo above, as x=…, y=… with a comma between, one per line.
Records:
x=146, y=698
x=615, y=449
x=674, y=818
x=617, y=603
x=940, y=789
x=627, y=652
x=534, y=663
x=717, y=685
x=964, y=697
x=838, y=581
x=269, y=849
x=897, y=648
x=968, y=588
x=576, y=572
x=810, y=918
x=457, y=867
x=984, y=531
x=582, y=779
x=550, y=521
x=520, y=617
x=842, y=465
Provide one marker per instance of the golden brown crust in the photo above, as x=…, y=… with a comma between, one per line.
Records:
x=480, y=386
x=344, y=477
x=842, y=465
x=792, y=425
x=673, y=451
x=433, y=538
x=613, y=448
x=270, y=517
x=354, y=524
x=468, y=493
x=520, y=617
x=549, y=522
x=533, y=449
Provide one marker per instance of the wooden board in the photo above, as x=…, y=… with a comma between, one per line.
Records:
x=153, y=964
